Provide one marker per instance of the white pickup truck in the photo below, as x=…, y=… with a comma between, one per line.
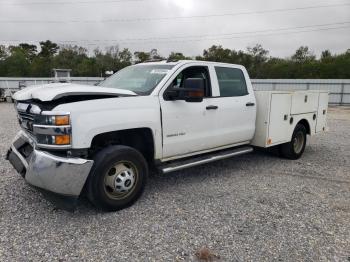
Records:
x=169, y=115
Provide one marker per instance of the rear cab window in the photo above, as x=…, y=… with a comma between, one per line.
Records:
x=231, y=81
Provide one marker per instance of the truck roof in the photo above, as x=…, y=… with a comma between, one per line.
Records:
x=183, y=62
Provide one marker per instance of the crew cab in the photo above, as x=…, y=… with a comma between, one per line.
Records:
x=102, y=140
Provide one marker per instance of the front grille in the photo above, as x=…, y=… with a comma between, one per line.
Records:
x=26, y=121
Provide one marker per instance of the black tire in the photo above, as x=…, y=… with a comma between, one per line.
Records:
x=289, y=150
x=102, y=195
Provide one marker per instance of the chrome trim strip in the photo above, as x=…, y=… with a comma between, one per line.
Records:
x=52, y=130
x=204, y=161
x=55, y=113
x=58, y=147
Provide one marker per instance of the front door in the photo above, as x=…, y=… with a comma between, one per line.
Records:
x=187, y=126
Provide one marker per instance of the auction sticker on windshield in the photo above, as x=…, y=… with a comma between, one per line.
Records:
x=160, y=71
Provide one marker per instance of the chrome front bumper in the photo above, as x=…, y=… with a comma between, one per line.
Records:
x=60, y=175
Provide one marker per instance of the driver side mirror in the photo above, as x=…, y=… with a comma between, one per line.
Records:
x=193, y=91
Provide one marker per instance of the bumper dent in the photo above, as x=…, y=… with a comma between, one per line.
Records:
x=60, y=175
x=65, y=176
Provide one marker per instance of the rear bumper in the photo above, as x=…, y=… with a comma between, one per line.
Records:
x=61, y=176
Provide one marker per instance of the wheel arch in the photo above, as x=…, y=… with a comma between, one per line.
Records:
x=141, y=139
x=306, y=124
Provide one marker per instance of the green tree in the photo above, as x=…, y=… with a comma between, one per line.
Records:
x=71, y=57
x=3, y=56
x=141, y=56
x=113, y=59
x=17, y=63
x=303, y=54
x=43, y=63
x=326, y=54
x=177, y=56
x=258, y=56
x=217, y=53
x=3, y=52
x=30, y=51
x=155, y=55
x=24, y=60
x=48, y=49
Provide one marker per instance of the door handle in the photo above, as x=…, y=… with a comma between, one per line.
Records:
x=212, y=107
x=250, y=104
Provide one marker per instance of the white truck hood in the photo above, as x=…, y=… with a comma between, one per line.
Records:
x=49, y=92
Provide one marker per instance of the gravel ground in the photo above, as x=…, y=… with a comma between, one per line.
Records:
x=253, y=207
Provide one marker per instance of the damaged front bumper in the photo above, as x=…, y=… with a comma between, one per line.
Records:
x=60, y=178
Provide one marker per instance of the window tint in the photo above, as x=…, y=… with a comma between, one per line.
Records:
x=231, y=81
x=194, y=72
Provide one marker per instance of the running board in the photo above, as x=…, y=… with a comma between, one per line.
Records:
x=203, y=159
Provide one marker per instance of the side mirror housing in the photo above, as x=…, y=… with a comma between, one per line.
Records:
x=193, y=91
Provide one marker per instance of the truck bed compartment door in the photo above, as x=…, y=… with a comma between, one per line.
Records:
x=304, y=102
x=279, y=126
x=322, y=112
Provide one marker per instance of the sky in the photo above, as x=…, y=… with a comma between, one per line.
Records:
x=186, y=26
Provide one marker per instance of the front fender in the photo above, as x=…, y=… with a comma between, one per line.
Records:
x=94, y=117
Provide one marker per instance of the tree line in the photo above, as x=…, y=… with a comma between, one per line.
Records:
x=25, y=60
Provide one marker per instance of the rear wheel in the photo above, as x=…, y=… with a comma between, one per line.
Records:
x=117, y=178
x=295, y=148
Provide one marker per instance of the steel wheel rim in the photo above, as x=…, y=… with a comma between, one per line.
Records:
x=120, y=180
x=298, y=142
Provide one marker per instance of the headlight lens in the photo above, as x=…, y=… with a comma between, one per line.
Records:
x=52, y=129
x=59, y=140
x=55, y=120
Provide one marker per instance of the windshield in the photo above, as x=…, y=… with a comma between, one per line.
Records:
x=141, y=79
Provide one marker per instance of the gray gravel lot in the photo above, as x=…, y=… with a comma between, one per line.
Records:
x=253, y=207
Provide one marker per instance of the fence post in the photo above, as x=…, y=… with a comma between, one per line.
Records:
x=342, y=93
x=307, y=86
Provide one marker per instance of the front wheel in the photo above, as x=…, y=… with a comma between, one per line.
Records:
x=117, y=178
x=295, y=148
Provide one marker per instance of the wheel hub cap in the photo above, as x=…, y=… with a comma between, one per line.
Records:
x=120, y=180
x=298, y=142
x=124, y=181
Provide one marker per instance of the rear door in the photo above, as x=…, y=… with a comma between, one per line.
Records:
x=236, y=106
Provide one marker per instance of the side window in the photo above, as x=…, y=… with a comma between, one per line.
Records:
x=231, y=81
x=194, y=72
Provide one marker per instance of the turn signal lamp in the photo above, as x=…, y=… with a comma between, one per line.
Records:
x=62, y=140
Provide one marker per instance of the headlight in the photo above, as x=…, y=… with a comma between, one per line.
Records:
x=56, y=120
x=53, y=140
x=53, y=129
